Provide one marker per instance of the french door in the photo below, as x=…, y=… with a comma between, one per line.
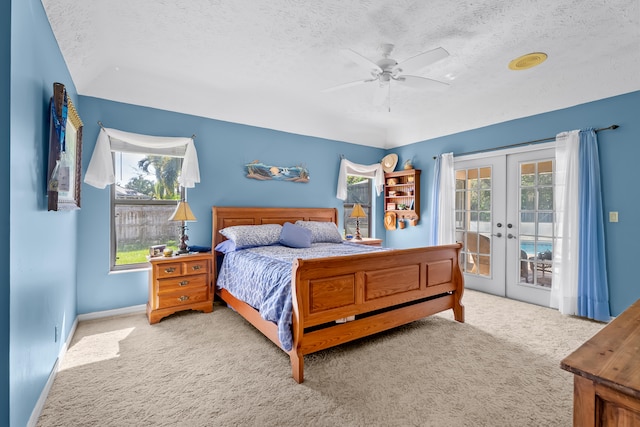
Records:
x=504, y=217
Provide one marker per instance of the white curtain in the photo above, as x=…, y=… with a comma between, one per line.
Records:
x=564, y=289
x=374, y=171
x=443, y=204
x=100, y=171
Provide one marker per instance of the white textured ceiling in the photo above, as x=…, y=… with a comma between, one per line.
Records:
x=265, y=63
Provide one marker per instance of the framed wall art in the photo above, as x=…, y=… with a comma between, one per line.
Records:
x=260, y=171
x=65, y=152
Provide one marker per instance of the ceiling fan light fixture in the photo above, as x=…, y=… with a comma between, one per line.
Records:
x=527, y=61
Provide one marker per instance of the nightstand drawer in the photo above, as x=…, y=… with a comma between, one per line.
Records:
x=178, y=284
x=183, y=298
x=196, y=267
x=168, y=269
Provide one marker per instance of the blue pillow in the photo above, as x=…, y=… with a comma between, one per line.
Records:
x=295, y=236
x=226, y=246
x=322, y=232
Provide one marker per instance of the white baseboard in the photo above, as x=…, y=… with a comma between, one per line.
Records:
x=37, y=410
x=134, y=309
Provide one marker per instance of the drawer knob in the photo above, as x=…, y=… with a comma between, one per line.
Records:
x=183, y=298
x=169, y=270
x=184, y=283
x=197, y=267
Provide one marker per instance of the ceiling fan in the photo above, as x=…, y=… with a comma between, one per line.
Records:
x=387, y=70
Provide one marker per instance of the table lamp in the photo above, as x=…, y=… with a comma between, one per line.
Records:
x=182, y=213
x=358, y=213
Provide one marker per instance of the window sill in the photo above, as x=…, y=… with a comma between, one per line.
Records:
x=130, y=270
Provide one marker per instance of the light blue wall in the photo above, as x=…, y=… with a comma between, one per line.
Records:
x=225, y=147
x=223, y=150
x=42, y=245
x=619, y=154
x=5, y=176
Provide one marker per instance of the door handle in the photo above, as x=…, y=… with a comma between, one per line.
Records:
x=498, y=234
x=510, y=236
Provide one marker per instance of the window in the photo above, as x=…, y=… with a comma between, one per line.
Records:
x=359, y=190
x=142, y=200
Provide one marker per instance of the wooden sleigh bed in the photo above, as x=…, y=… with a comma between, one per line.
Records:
x=382, y=290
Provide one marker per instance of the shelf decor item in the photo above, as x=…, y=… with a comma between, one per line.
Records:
x=182, y=213
x=156, y=250
x=390, y=220
x=389, y=162
x=358, y=213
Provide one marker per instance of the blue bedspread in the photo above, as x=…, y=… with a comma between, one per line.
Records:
x=261, y=277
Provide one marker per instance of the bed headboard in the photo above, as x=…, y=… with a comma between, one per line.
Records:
x=227, y=216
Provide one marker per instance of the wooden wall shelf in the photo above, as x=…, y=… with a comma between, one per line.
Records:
x=402, y=194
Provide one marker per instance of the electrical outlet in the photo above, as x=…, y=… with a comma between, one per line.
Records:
x=613, y=216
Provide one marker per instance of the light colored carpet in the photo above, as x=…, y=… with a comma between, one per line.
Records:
x=500, y=368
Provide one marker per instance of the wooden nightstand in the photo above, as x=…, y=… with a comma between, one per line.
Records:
x=367, y=241
x=178, y=283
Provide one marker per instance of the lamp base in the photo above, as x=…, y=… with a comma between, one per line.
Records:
x=182, y=247
x=357, y=236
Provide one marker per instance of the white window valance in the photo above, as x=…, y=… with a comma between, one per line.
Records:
x=100, y=172
x=374, y=171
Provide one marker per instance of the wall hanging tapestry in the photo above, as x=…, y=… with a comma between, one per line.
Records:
x=258, y=170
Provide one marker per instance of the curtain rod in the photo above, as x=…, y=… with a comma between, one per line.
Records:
x=535, y=141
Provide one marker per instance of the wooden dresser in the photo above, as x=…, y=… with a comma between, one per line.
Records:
x=607, y=374
x=178, y=283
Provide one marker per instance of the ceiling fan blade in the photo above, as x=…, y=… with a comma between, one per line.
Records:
x=346, y=85
x=423, y=59
x=361, y=60
x=418, y=82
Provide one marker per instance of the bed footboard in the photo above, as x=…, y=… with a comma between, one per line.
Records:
x=380, y=290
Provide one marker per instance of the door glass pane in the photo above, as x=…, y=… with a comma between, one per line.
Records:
x=536, y=223
x=485, y=178
x=545, y=198
x=473, y=219
x=485, y=200
x=461, y=178
x=545, y=173
x=528, y=199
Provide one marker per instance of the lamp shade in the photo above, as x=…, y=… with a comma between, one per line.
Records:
x=182, y=213
x=357, y=211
